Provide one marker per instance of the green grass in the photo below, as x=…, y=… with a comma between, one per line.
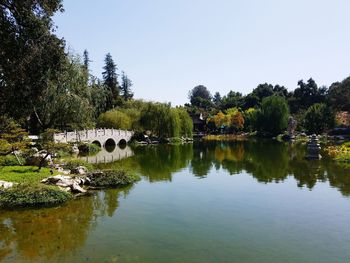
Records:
x=23, y=174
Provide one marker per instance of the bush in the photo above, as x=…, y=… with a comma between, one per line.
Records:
x=116, y=178
x=32, y=196
x=10, y=160
x=318, y=118
x=75, y=163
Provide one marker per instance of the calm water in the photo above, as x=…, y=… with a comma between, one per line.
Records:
x=215, y=202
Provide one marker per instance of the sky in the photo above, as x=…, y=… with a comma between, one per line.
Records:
x=167, y=47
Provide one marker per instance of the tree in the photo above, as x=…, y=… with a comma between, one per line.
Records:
x=339, y=95
x=68, y=101
x=31, y=55
x=86, y=60
x=126, y=87
x=318, y=118
x=306, y=95
x=273, y=117
x=160, y=119
x=217, y=99
x=200, y=97
x=186, y=124
x=231, y=100
x=235, y=119
x=115, y=119
x=12, y=137
x=110, y=78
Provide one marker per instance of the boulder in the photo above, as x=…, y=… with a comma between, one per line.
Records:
x=80, y=170
x=6, y=185
x=68, y=183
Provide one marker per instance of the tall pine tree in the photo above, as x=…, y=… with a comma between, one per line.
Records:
x=126, y=87
x=110, y=78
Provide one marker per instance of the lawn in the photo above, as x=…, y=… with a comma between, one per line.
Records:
x=23, y=174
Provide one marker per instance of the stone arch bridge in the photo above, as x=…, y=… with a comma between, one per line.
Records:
x=98, y=136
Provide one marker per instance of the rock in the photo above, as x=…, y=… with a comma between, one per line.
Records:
x=75, y=149
x=68, y=183
x=6, y=185
x=80, y=170
x=77, y=189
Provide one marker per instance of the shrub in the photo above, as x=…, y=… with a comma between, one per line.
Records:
x=113, y=179
x=32, y=196
x=10, y=160
x=75, y=163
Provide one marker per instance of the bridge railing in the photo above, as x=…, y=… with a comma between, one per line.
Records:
x=88, y=135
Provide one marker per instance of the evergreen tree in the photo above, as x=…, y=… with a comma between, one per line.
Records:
x=126, y=87
x=110, y=78
x=86, y=60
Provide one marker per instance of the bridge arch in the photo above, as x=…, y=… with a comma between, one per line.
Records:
x=97, y=143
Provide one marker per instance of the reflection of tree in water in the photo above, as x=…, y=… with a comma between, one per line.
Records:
x=269, y=161
x=160, y=162
x=54, y=232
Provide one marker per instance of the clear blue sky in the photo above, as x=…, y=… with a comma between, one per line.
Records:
x=169, y=46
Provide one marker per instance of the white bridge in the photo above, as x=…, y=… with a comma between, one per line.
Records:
x=98, y=136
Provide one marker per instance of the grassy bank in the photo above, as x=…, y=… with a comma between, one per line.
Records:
x=23, y=174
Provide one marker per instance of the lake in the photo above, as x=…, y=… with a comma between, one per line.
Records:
x=252, y=201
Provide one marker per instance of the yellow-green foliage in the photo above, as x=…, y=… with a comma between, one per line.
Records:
x=114, y=119
x=340, y=153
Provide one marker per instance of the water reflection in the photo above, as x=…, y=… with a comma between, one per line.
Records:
x=54, y=234
x=266, y=161
x=109, y=154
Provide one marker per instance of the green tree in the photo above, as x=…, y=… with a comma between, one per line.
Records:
x=110, y=78
x=160, y=119
x=31, y=55
x=339, y=95
x=12, y=137
x=318, y=118
x=126, y=87
x=115, y=119
x=186, y=124
x=273, y=117
x=200, y=97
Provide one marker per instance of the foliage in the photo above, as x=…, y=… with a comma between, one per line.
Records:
x=339, y=95
x=306, y=95
x=250, y=119
x=273, y=117
x=186, y=124
x=11, y=160
x=340, y=153
x=23, y=174
x=75, y=163
x=33, y=196
x=318, y=118
x=110, y=78
x=126, y=87
x=115, y=119
x=200, y=97
x=31, y=56
x=161, y=120
x=12, y=137
x=117, y=178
